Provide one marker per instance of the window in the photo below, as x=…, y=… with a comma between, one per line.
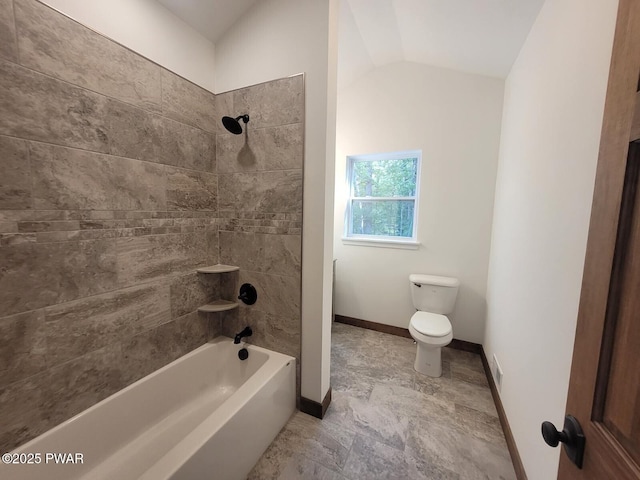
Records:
x=383, y=193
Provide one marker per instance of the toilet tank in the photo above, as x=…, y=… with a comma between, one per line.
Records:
x=434, y=294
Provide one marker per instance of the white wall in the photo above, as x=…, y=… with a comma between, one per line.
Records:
x=148, y=28
x=274, y=39
x=554, y=101
x=353, y=57
x=454, y=118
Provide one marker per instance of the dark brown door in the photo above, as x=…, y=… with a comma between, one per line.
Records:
x=604, y=390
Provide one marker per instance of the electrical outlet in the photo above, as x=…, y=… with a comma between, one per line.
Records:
x=496, y=370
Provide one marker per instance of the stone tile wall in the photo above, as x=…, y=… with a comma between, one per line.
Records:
x=260, y=208
x=110, y=196
x=108, y=203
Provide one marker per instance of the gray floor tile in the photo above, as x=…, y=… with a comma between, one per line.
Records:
x=370, y=419
x=387, y=421
x=436, y=442
x=460, y=392
x=481, y=460
x=412, y=403
x=468, y=374
x=479, y=424
x=319, y=441
x=300, y=467
x=345, y=381
x=371, y=459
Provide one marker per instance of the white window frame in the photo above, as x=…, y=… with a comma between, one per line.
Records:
x=348, y=237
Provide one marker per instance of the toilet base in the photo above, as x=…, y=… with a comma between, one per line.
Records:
x=428, y=361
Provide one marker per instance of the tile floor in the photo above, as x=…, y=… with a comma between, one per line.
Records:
x=387, y=421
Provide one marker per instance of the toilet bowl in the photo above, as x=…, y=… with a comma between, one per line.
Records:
x=431, y=331
x=433, y=297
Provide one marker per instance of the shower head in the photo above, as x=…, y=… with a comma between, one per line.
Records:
x=233, y=125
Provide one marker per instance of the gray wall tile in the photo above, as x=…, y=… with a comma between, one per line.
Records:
x=229, y=284
x=193, y=290
x=32, y=406
x=277, y=294
x=150, y=350
x=76, y=328
x=224, y=108
x=156, y=256
x=274, y=148
x=215, y=324
x=275, y=332
x=65, y=178
x=94, y=315
x=133, y=132
x=187, y=103
x=190, y=190
x=93, y=271
x=278, y=333
x=269, y=104
x=193, y=331
x=23, y=346
x=273, y=254
x=22, y=411
x=15, y=174
x=38, y=275
x=7, y=227
x=279, y=191
x=56, y=45
x=38, y=107
x=74, y=386
x=188, y=147
x=8, y=47
x=260, y=202
x=64, y=225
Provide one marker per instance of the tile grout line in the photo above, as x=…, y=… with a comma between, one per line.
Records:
x=15, y=31
x=106, y=154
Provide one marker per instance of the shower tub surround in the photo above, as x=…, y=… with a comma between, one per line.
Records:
x=260, y=208
x=108, y=204
x=111, y=196
x=207, y=414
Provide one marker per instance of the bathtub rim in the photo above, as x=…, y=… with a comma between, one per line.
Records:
x=169, y=464
x=272, y=356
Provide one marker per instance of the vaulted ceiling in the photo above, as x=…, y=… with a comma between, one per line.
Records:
x=476, y=36
x=209, y=17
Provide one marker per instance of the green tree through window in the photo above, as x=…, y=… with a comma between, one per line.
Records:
x=383, y=192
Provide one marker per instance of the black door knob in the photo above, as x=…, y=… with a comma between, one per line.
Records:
x=551, y=435
x=571, y=436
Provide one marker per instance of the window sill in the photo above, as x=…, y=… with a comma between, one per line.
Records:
x=382, y=243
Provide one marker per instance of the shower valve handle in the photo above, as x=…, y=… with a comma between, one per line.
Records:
x=248, y=294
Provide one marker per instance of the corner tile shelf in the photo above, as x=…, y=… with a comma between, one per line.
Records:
x=218, y=268
x=218, y=305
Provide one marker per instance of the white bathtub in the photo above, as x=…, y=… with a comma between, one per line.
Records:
x=206, y=415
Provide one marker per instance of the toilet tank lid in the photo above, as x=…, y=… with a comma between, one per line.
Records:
x=433, y=280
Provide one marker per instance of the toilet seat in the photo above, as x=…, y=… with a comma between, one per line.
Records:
x=431, y=324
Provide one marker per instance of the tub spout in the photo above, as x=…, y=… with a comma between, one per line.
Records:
x=247, y=332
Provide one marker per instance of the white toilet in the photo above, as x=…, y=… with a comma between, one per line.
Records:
x=433, y=297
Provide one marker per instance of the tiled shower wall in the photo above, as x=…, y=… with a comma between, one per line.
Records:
x=260, y=208
x=108, y=203
x=109, y=200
